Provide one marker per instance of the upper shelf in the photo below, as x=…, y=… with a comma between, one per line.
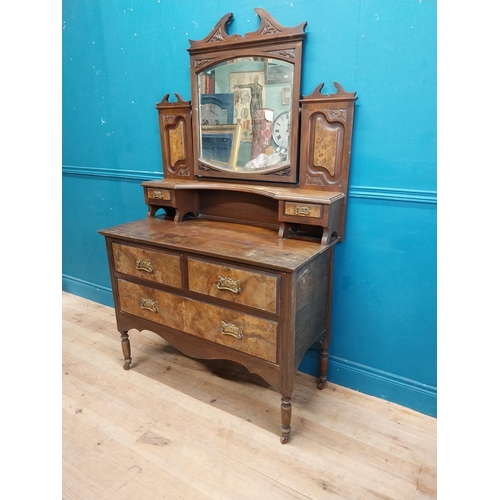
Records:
x=278, y=193
x=294, y=210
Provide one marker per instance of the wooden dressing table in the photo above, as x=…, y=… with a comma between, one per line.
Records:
x=235, y=257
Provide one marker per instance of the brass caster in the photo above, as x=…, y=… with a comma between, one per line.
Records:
x=285, y=438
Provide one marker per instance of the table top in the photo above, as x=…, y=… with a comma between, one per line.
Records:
x=253, y=245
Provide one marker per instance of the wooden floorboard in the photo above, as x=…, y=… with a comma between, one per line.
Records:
x=173, y=427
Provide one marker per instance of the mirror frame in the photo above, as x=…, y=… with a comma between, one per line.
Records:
x=270, y=40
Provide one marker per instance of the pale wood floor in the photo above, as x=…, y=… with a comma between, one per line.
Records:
x=177, y=428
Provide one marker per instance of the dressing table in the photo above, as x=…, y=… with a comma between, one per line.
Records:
x=234, y=259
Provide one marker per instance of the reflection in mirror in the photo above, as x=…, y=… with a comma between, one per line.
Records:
x=245, y=113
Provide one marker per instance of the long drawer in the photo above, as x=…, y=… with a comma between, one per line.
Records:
x=243, y=332
x=160, y=267
x=250, y=288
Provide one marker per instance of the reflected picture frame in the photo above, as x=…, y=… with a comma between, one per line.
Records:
x=240, y=83
x=276, y=73
x=224, y=141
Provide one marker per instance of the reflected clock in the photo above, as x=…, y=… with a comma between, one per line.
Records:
x=281, y=129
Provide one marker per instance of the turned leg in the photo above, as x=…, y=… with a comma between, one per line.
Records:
x=323, y=365
x=126, y=351
x=286, y=419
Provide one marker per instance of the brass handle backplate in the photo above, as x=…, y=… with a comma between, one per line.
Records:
x=302, y=210
x=150, y=305
x=145, y=265
x=230, y=329
x=158, y=194
x=229, y=284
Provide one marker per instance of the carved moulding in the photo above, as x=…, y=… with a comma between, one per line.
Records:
x=205, y=167
x=175, y=135
x=284, y=172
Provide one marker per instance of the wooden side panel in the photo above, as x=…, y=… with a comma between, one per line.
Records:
x=176, y=141
x=325, y=150
x=236, y=285
x=313, y=304
x=323, y=159
x=159, y=267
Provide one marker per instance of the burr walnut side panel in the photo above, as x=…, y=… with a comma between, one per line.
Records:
x=237, y=285
x=175, y=134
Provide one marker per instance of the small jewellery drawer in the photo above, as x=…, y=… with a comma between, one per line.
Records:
x=250, y=288
x=159, y=194
x=304, y=210
x=154, y=266
x=243, y=332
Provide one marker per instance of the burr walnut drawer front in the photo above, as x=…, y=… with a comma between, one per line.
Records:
x=158, y=194
x=250, y=288
x=243, y=332
x=155, y=266
x=304, y=210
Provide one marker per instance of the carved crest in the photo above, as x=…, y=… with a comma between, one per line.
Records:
x=268, y=26
x=165, y=103
x=340, y=95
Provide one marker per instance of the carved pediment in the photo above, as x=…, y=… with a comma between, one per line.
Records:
x=165, y=103
x=341, y=94
x=269, y=28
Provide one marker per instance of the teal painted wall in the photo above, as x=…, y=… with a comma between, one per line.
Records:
x=121, y=57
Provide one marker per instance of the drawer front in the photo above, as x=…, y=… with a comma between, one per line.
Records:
x=154, y=266
x=250, y=288
x=159, y=194
x=161, y=307
x=304, y=210
x=243, y=332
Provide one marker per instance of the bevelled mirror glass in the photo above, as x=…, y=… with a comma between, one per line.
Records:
x=245, y=102
x=245, y=112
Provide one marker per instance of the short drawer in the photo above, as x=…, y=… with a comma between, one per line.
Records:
x=159, y=194
x=155, y=266
x=250, y=288
x=304, y=210
x=243, y=332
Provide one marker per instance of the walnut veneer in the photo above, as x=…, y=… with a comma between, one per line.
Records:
x=235, y=263
x=223, y=290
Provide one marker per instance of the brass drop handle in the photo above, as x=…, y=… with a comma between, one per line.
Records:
x=302, y=210
x=229, y=284
x=158, y=195
x=145, y=265
x=230, y=329
x=150, y=305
